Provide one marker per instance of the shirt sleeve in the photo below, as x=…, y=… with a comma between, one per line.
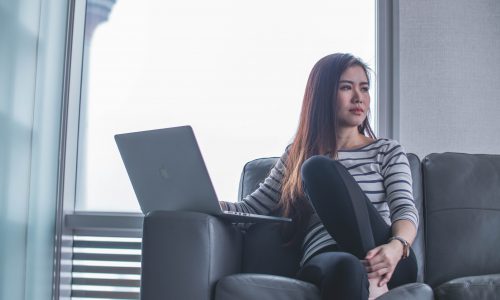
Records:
x=266, y=197
x=398, y=184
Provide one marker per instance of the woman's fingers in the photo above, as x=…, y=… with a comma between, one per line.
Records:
x=379, y=273
x=380, y=262
x=366, y=265
x=373, y=252
x=383, y=254
x=385, y=278
x=375, y=260
x=376, y=267
x=375, y=263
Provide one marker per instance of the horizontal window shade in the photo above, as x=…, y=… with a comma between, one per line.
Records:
x=106, y=255
x=103, y=294
x=107, y=270
x=107, y=282
x=104, y=244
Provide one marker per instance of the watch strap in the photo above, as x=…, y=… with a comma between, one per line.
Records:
x=406, y=245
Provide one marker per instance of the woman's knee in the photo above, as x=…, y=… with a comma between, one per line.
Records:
x=337, y=264
x=320, y=173
x=317, y=167
x=339, y=275
x=347, y=264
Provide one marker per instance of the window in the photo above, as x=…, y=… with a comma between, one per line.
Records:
x=235, y=71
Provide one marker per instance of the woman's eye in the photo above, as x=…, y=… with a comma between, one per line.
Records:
x=365, y=89
x=345, y=87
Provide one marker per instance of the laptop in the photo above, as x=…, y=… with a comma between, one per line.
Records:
x=167, y=172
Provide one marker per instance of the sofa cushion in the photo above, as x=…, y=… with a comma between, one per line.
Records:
x=474, y=287
x=264, y=287
x=462, y=207
x=254, y=172
x=411, y=291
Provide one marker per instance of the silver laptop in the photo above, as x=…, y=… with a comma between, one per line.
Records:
x=167, y=172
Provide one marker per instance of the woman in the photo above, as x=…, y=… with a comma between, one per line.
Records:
x=349, y=194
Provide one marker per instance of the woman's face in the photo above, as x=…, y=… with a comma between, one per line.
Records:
x=353, y=99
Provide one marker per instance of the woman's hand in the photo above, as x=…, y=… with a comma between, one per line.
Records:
x=223, y=205
x=382, y=261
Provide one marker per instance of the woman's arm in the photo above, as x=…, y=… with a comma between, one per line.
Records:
x=265, y=198
x=381, y=261
x=405, y=229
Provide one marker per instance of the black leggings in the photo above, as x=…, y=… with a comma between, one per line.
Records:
x=356, y=226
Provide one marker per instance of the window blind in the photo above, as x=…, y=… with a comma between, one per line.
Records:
x=106, y=255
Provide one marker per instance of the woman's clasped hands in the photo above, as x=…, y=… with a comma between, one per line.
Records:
x=381, y=261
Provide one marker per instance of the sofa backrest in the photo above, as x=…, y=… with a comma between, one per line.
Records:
x=263, y=249
x=462, y=214
x=254, y=172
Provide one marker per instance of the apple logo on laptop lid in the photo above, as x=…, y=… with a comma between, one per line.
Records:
x=164, y=173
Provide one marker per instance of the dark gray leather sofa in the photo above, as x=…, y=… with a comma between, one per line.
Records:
x=188, y=255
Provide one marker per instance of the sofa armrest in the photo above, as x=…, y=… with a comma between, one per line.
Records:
x=184, y=254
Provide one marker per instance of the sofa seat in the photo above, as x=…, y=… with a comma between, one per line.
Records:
x=264, y=287
x=483, y=287
x=411, y=291
x=270, y=287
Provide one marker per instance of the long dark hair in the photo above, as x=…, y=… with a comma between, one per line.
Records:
x=315, y=135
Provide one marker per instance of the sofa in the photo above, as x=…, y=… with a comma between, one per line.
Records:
x=194, y=256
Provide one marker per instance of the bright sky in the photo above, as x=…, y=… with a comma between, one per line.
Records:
x=233, y=70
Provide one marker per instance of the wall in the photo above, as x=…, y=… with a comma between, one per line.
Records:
x=448, y=72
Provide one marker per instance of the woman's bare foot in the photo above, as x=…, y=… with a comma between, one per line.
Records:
x=375, y=290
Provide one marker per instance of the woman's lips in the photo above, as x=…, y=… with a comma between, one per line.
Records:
x=356, y=111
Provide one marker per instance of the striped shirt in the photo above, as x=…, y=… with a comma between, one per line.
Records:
x=381, y=169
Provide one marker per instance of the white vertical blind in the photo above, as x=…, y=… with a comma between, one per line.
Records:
x=32, y=34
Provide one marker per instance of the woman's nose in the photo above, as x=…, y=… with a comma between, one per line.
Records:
x=356, y=97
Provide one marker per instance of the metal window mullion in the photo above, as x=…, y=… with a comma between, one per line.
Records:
x=59, y=254
x=387, y=66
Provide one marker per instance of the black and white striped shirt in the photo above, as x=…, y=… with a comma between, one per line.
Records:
x=381, y=169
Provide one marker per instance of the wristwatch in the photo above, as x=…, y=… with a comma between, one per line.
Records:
x=406, y=245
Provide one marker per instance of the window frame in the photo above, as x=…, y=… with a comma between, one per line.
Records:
x=386, y=119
